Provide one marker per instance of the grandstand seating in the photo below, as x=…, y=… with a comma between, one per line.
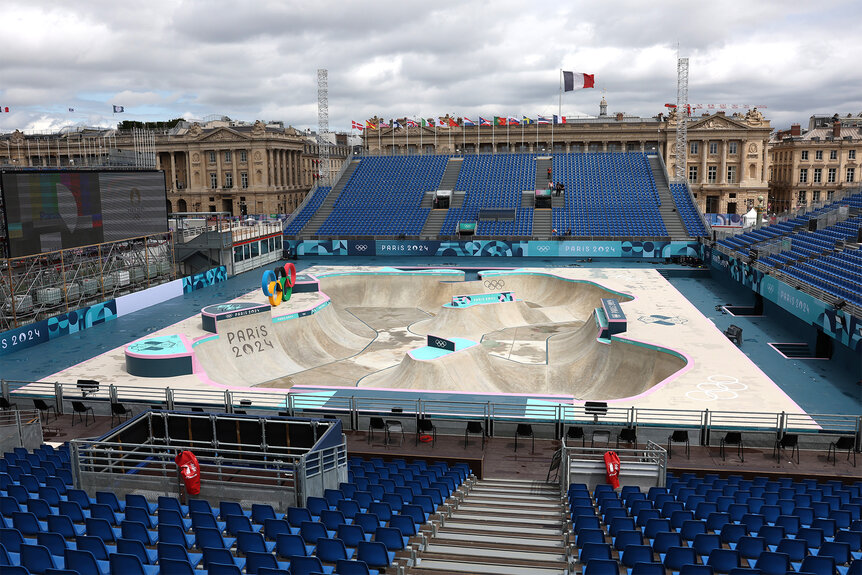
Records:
x=607, y=195
x=383, y=196
x=687, y=210
x=494, y=181
x=376, y=512
x=770, y=526
x=817, y=258
x=298, y=222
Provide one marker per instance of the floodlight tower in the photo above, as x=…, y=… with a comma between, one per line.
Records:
x=681, y=119
x=323, y=125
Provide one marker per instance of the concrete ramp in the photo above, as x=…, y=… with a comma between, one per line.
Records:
x=251, y=350
x=475, y=321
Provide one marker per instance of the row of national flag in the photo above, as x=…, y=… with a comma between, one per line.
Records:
x=448, y=122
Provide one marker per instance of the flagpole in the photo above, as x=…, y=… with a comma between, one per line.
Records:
x=407, y=127
x=478, y=130
x=421, y=129
x=463, y=137
x=560, y=108
x=522, y=131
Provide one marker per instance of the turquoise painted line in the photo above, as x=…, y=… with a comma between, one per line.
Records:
x=317, y=399
x=204, y=340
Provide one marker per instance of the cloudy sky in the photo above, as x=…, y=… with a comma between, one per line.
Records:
x=164, y=59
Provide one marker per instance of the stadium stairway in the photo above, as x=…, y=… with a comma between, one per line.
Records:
x=325, y=208
x=505, y=526
x=450, y=176
x=433, y=223
x=667, y=209
x=542, y=165
x=542, y=220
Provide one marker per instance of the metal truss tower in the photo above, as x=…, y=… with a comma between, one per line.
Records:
x=681, y=120
x=323, y=126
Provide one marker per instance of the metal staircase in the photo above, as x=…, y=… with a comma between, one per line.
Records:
x=542, y=221
x=314, y=223
x=668, y=210
x=499, y=526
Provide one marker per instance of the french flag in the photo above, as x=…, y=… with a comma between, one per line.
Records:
x=578, y=81
x=559, y=119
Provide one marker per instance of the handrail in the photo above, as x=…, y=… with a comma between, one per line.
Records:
x=358, y=404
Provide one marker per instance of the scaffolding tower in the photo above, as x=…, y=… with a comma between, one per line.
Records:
x=323, y=125
x=681, y=120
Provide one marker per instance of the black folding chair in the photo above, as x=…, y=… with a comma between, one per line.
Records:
x=679, y=436
x=378, y=424
x=118, y=412
x=627, y=435
x=43, y=407
x=82, y=411
x=788, y=440
x=575, y=432
x=847, y=442
x=425, y=426
x=474, y=427
x=525, y=430
x=732, y=438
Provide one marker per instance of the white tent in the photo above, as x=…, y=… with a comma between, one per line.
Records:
x=750, y=218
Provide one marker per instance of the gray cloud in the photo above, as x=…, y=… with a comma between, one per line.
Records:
x=164, y=58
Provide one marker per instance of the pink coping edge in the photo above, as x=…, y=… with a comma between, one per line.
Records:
x=748, y=359
x=769, y=343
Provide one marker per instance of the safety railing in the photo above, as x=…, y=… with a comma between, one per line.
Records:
x=20, y=428
x=650, y=461
x=355, y=407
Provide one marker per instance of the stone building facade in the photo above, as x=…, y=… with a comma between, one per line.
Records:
x=218, y=166
x=726, y=163
x=817, y=165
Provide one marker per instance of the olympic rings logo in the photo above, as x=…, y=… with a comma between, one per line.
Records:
x=277, y=285
x=717, y=387
x=495, y=284
x=440, y=343
x=543, y=248
x=360, y=247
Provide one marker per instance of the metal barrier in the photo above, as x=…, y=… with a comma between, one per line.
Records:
x=646, y=467
x=20, y=428
x=498, y=417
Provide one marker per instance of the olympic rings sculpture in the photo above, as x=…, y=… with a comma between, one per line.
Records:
x=277, y=284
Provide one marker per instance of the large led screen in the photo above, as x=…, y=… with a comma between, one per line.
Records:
x=49, y=211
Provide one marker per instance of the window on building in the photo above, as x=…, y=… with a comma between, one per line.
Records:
x=713, y=147
x=243, y=178
x=693, y=148
x=212, y=157
x=818, y=175
x=243, y=156
x=228, y=180
x=831, y=175
x=803, y=175
x=237, y=253
x=692, y=174
x=731, y=147
x=212, y=208
x=829, y=195
x=804, y=154
x=818, y=155
x=711, y=174
x=851, y=175
x=815, y=196
x=731, y=174
x=228, y=157
x=800, y=197
x=851, y=154
x=213, y=181
x=833, y=154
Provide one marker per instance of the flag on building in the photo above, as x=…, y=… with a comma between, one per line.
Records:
x=412, y=123
x=559, y=119
x=119, y=109
x=498, y=121
x=453, y=123
x=514, y=122
x=396, y=124
x=71, y=109
x=383, y=124
x=356, y=125
x=527, y=121
x=4, y=108
x=431, y=122
x=370, y=125
x=544, y=120
x=484, y=122
x=468, y=122
x=577, y=81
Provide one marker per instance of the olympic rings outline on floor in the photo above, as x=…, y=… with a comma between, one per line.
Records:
x=717, y=387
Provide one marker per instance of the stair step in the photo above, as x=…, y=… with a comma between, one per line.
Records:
x=497, y=555
x=483, y=517
x=467, y=507
x=514, y=504
x=444, y=566
x=479, y=540
x=526, y=494
x=512, y=530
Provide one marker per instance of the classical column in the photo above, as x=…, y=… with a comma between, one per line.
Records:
x=269, y=174
x=218, y=169
x=234, y=160
x=173, y=171
x=188, y=179
x=704, y=154
x=722, y=175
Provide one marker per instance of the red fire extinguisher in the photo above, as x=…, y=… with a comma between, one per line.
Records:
x=188, y=467
x=612, y=468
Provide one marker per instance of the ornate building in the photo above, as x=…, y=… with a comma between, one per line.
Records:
x=726, y=163
x=220, y=166
x=812, y=167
